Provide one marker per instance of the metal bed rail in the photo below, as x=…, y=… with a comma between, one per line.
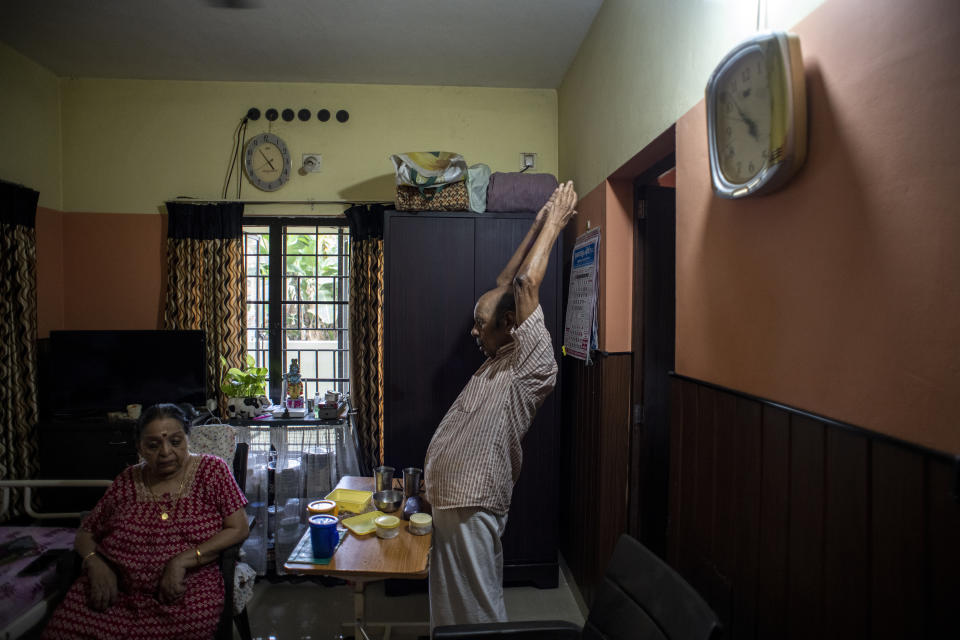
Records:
x=29, y=485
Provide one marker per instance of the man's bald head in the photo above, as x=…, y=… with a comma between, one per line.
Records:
x=494, y=317
x=502, y=301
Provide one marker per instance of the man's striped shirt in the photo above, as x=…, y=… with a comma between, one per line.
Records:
x=475, y=455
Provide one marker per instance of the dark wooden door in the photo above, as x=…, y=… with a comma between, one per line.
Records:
x=656, y=239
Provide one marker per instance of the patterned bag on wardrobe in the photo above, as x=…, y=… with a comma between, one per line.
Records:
x=451, y=197
x=428, y=168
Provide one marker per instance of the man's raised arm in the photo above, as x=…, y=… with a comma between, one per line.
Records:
x=510, y=271
x=551, y=220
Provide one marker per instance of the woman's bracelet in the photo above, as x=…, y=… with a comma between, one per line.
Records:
x=199, y=557
x=83, y=563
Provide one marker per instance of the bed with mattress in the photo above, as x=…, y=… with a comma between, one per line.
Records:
x=31, y=585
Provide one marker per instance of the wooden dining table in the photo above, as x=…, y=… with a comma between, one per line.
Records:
x=363, y=559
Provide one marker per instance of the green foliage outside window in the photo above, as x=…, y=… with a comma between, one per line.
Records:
x=310, y=281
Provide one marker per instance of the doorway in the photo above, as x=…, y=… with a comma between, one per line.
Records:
x=653, y=322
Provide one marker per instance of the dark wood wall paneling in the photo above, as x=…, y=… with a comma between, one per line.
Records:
x=595, y=458
x=797, y=527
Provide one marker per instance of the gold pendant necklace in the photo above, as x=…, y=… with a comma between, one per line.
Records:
x=163, y=513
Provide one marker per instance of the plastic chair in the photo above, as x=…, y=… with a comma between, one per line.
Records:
x=640, y=597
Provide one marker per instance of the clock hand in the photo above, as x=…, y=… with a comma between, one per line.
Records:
x=751, y=125
x=274, y=168
x=746, y=122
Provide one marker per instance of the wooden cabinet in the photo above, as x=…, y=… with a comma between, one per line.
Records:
x=436, y=266
x=82, y=450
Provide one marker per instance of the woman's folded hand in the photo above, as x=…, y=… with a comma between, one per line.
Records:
x=103, y=584
x=171, y=583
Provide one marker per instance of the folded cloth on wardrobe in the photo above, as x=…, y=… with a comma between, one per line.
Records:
x=519, y=191
x=478, y=179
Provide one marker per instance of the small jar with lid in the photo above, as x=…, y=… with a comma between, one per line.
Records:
x=387, y=527
x=328, y=507
x=421, y=524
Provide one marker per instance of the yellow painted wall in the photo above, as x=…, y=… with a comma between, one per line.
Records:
x=642, y=66
x=130, y=145
x=30, y=126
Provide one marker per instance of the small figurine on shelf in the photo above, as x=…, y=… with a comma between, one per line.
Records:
x=295, y=403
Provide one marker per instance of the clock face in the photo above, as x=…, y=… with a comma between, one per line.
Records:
x=756, y=116
x=743, y=112
x=267, y=162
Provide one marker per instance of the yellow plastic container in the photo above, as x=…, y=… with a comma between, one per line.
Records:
x=362, y=524
x=420, y=524
x=387, y=526
x=351, y=500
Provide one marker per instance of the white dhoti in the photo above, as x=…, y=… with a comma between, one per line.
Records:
x=466, y=567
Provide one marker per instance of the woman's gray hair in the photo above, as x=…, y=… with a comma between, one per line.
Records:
x=160, y=412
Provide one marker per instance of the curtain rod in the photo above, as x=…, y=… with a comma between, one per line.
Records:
x=264, y=202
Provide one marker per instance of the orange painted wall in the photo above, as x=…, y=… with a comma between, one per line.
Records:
x=112, y=271
x=610, y=206
x=618, y=260
x=841, y=293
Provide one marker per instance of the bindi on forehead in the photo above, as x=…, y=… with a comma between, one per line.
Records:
x=163, y=434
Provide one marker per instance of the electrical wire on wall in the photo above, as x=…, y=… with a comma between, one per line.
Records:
x=239, y=138
x=761, y=14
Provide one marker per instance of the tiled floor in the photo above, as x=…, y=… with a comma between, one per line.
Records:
x=297, y=611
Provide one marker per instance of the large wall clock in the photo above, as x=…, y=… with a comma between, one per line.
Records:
x=266, y=162
x=757, y=116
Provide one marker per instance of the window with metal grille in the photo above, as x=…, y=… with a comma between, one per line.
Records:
x=299, y=311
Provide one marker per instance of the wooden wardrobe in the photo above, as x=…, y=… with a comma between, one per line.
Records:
x=436, y=265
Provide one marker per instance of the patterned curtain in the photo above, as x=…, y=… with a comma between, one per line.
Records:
x=205, y=283
x=18, y=336
x=366, y=329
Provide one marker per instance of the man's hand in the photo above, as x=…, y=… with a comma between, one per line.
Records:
x=103, y=584
x=547, y=206
x=561, y=204
x=526, y=283
x=171, y=583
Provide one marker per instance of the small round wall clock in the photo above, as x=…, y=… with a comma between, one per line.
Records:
x=266, y=162
x=757, y=116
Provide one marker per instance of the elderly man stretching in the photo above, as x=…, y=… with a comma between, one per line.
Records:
x=474, y=457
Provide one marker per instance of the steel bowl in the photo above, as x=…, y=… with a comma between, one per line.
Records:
x=388, y=500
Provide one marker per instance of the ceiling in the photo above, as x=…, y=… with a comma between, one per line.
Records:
x=494, y=43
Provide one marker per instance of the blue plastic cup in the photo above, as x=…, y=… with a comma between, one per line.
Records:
x=323, y=535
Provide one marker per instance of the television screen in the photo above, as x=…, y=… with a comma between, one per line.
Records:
x=94, y=372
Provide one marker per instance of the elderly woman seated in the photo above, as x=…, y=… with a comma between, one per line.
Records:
x=149, y=545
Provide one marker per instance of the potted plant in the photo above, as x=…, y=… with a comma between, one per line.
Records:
x=245, y=388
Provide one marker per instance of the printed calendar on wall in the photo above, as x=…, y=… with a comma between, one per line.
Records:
x=580, y=326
